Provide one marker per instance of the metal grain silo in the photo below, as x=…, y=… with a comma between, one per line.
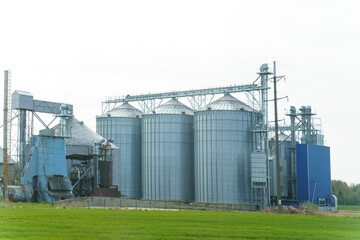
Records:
x=123, y=125
x=167, y=153
x=223, y=144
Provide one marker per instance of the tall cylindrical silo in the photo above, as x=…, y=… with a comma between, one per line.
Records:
x=123, y=125
x=223, y=144
x=167, y=153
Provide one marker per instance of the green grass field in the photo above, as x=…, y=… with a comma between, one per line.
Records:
x=42, y=221
x=353, y=208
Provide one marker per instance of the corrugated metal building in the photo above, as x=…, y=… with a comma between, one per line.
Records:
x=313, y=172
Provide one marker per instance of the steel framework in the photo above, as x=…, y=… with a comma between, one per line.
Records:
x=197, y=98
x=24, y=110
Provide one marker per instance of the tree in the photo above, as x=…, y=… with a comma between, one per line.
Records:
x=347, y=195
x=354, y=199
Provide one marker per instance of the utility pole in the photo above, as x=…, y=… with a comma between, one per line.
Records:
x=278, y=190
x=5, y=154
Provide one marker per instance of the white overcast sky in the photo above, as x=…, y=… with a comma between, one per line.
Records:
x=80, y=52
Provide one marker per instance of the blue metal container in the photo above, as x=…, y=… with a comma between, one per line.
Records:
x=313, y=172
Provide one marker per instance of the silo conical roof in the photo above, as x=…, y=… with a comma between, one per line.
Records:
x=228, y=102
x=78, y=134
x=9, y=159
x=173, y=106
x=124, y=110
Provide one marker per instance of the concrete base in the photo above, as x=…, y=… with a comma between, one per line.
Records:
x=113, y=202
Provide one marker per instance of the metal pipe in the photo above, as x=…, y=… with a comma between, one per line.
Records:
x=96, y=153
x=313, y=196
x=309, y=124
x=304, y=124
x=264, y=71
x=22, y=140
x=264, y=96
x=293, y=152
x=63, y=115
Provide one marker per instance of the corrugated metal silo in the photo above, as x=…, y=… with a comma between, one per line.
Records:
x=167, y=153
x=223, y=144
x=123, y=126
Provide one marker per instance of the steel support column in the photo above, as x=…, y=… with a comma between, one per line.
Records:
x=22, y=140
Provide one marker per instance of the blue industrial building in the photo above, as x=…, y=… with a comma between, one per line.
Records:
x=313, y=173
x=46, y=170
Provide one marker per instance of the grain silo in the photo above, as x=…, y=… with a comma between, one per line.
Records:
x=223, y=144
x=123, y=125
x=167, y=153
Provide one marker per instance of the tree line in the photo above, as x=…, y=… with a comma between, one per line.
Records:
x=346, y=195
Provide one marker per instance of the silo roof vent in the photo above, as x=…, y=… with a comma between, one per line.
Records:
x=173, y=106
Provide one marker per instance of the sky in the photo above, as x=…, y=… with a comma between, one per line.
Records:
x=81, y=52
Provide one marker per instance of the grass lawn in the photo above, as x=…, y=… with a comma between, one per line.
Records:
x=353, y=208
x=42, y=221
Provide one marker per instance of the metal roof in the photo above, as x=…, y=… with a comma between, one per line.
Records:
x=20, y=92
x=9, y=159
x=228, y=102
x=172, y=106
x=78, y=134
x=124, y=110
